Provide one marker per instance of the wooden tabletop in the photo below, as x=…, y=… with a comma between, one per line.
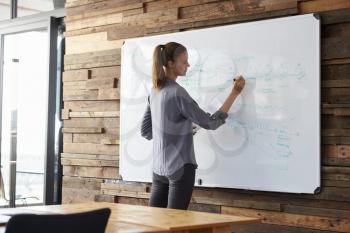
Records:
x=133, y=218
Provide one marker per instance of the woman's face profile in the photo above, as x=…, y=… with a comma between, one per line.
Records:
x=180, y=65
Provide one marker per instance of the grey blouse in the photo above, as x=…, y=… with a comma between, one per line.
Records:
x=168, y=120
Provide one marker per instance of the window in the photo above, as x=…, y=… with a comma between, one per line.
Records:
x=29, y=7
x=18, y=8
x=5, y=9
x=24, y=115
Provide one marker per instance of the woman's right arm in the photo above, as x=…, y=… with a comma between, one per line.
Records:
x=190, y=109
x=236, y=90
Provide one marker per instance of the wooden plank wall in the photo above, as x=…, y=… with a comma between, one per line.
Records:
x=95, y=32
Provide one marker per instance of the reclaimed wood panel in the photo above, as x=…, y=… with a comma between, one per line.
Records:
x=106, y=83
x=83, y=130
x=92, y=59
x=126, y=31
x=168, y=4
x=90, y=43
x=95, y=138
x=101, y=8
x=88, y=162
x=90, y=148
x=336, y=83
x=76, y=75
x=73, y=3
x=96, y=30
x=322, y=5
x=227, y=8
x=238, y=198
x=92, y=73
x=335, y=72
x=335, y=47
x=109, y=94
x=336, y=162
x=295, y=220
x=65, y=114
x=152, y=17
x=132, y=187
x=67, y=137
x=125, y=193
x=105, y=198
x=89, y=156
x=94, y=114
x=109, y=141
x=77, y=85
x=336, y=183
x=190, y=24
x=100, y=94
x=269, y=228
x=77, y=195
x=335, y=16
x=82, y=183
x=105, y=123
x=332, y=122
x=98, y=106
x=192, y=206
x=329, y=195
x=97, y=172
x=95, y=21
x=165, y=26
x=335, y=132
x=336, y=30
x=132, y=201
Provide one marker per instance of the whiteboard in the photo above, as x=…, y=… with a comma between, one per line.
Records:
x=271, y=140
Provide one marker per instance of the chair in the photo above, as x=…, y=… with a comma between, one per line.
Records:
x=86, y=222
x=18, y=197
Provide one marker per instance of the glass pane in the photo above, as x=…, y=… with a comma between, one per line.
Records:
x=29, y=7
x=25, y=99
x=5, y=9
x=8, y=117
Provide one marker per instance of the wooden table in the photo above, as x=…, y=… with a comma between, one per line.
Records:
x=133, y=218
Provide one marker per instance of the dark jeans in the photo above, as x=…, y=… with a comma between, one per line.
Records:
x=173, y=192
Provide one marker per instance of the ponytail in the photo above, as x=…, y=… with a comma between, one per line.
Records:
x=159, y=61
x=161, y=55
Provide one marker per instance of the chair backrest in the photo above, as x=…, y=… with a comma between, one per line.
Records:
x=87, y=222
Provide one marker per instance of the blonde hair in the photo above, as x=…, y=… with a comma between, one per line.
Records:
x=161, y=56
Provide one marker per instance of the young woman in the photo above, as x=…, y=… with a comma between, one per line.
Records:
x=168, y=121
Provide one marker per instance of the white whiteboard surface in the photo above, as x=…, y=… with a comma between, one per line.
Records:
x=271, y=140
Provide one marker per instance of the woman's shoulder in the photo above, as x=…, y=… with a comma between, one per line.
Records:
x=181, y=91
x=174, y=88
x=166, y=90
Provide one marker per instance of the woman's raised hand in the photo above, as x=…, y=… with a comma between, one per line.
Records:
x=238, y=85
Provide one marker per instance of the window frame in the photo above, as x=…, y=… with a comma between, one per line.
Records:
x=50, y=21
x=14, y=11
